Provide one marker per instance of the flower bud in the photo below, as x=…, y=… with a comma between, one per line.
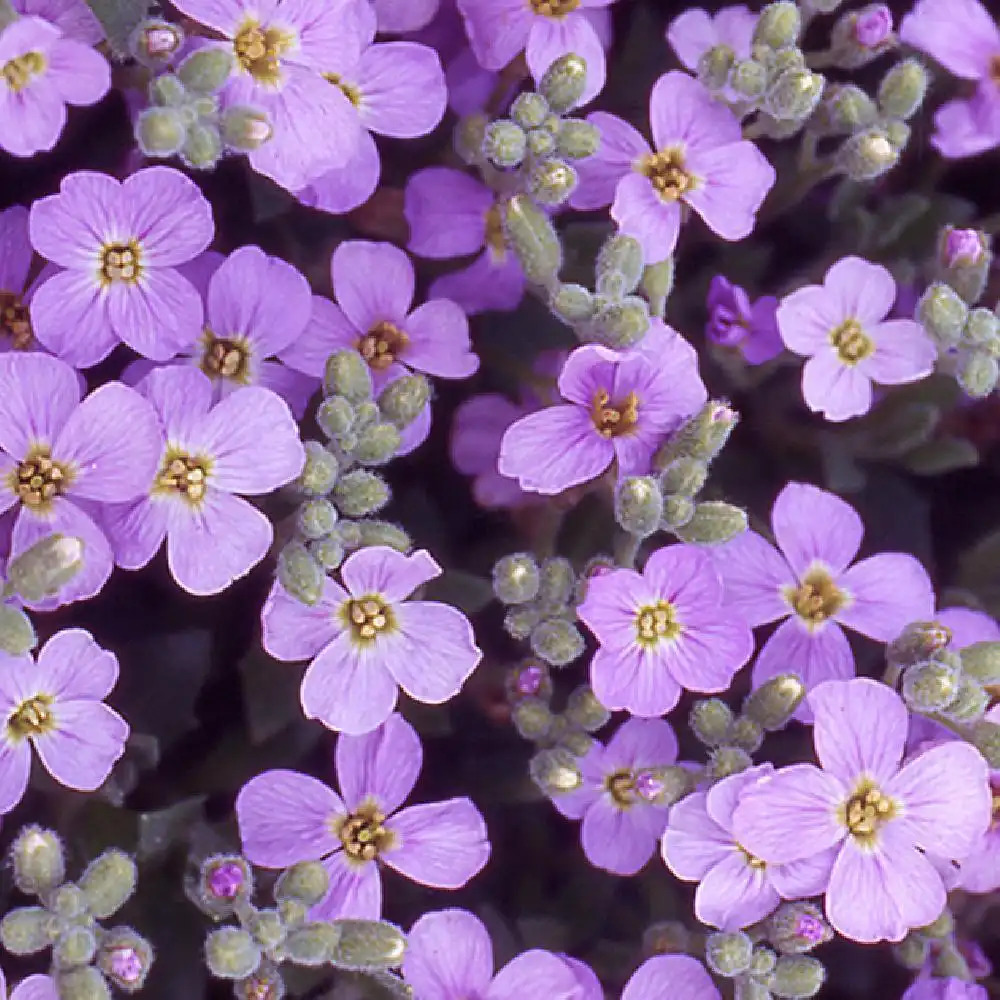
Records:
x=912, y=952
x=950, y=963
x=903, y=89
x=793, y=96
x=657, y=283
x=316, y=518
x=377, y=444
x=620, y=255
x=638, y=505
x=17, y=634
x=107, y=882
x=231, y=953
x=504, y=143
x=532, y=718
x=541, y=144
x=563, y=83
x=572, y=303
x=529, y=109
x=245, y=128
x=684, y=476
x=748, y=79
x=678, y=510
x=206, y=70
x=349, y=533
x=85, y=983
x=703, y=436
x=747, y=734
x=223, y=878
x=762, y=961
x=516, y=578
x=532, y=236
x=307, y=881
x=970, y=702
x=153, y=42
x=528, y=679
x=943, y=314
x=977, y=373
x=46, y=567
x=555, y=771
x=585, y=711
x=577, y=139
x=300, y=574
x=845, y=109
x=335, y=416
x=867, y=155
x=467, y=138
x=942, y=927
x=556, y=581
x=520, y=620
x=778, y=25
x=982, y=330
x=375, y=532
x=714, y=66
x=125, y=958
x=347, y=375
x=166, y=90
x=68, y=902
x=775, y=701
x=202, y=147
x=984, y=735
x=917, y=642
x=557, y=642
x=962, y=247
x=728, y=953
x=725, y=761
x=930, y=686
x=403, y=400
x=981, y=660
x=328, y=552
x=76, y=946
x=312, y=944
x=360, y=492
x=38, y=860
x=713, y=523
x=796, y=977
x=710, y=719
x=366, y=945
x=663, y=786
x=160, y=132
x=266, y=926
x=860, y=36
x=620, y=323
x=552, y=181
x=26, y=930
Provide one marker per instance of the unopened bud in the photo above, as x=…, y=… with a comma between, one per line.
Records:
x=347, y=375
x=377, y=444
x=533, y=237
x=867, y=155
x=859, y=36
x=376, y=532
x=725, y=761
x=528, y=679
x=585, y=711
x=202, y=147
x=930, y=686
x=796, y=977
x=222, y=879
x=775, y=701
x=563, y=83
x=166, y=90
x=678, y=510
x=335, y=416
x=403, y=400
x=154, y=42
x=981, y=660
x=125, y=958
x=793, y=96
x=26, y=930
x=267, y=927
x=107, y=882
x=17, y=634
x=532, y=718
x=639, y=505
x=657, y=283
x=555, y=771
x=748, y=79
x=44, y=569
x=541, y=144
x=970, y=702
x=778, y=25
x=943, y=314
x=728, y=953
x=950, y=963
x=917, y=642
x=982, y=330
x=903, y=89
x=713, y=523
x=572, y=303
x=710, y=719
x=529, y=109
x=912, y=952
x=307, y=881
x=206, y=70
x=684, y=476
x=714, y=66
x=762, y=961
x=962, y=247
x=747, y=734
x=557, y=642
x=978, y=373
x=620, y=323
x=360, y=492
x=300, y=574
x=984, y=735
x=316, y=518
x=556, y=581
x=516, y=578
x=231, y=953
x=245, y=128
x=795, y=928
x=702, y=437
x=845, y=109
x=620, y=257
x=663, y=786
x=38, y=860
x=366, y=945
x=898, y=133
x=468, y=138
x=312, y=944
x=577, y=139
x=328, y=552
x=942, y=927
x=68, y=902
x=85, y=983
x=76, y=946
x=552, y=181
x=504, y=143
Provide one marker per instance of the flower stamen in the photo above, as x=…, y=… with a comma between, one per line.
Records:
x=367, y=617
x=621, y=786
x=817, y=597
x=666, y=173
x=614, y=419
x=32, y=717
x=226, y=358
x=15, y=321
x=655, y=623
x=120, y=262
x=183, y=474
x=258, y=50
x=867, y=811
x=851, y=342
x=363, y=834
x=21, y=70
x=554, y=8
x=38, y=479
x=382, y=345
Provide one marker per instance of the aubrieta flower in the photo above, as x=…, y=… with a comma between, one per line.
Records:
x=699, y=159
x=679, y=977
x=452, y=214
x=618, y=408
x=968, y=626
x=840, y=326
x=749, y=327
x=120, y=244
x=809, y=581
x=980, y=870
x=695, y=31
x=618, y=797
x=964, y=38
x=545, y=29
x=449, y=956
x=404, y=15
x=15, y=291
x=366, y=640
x=206, y=454
x=281, y=49
x=37, y=987
x=72, y=17
x=286, y=817
x=875, y=817
x=41, y=71
x=944, y=988
x=735, y=889
x=56, y=704
x=61, y=458
x=662, y=631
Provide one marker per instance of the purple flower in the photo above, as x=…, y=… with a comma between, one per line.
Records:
x=733, y=321
x=964, y=38
x=968, y=626
x=120, y=244
x=57, y=705
x=700, y=159
x=963, y=247
x=617, y=801
x=662, y=631
x=879, y=817
x=72, y=17
x=404, y=15
x=35, y=987
x=451, y=214
x=15, y=290
x=618, y=408
x=43, y=71
x=679, y=977
x=248, y=443
x=60, y=458
x=366, y=640
x=546, y=29
x=944, y=988
x=841, y=327
x=873, y=26
x=282, y=49
x=694, y=32
x=449, y=956
x=735, y=889
x=286, y=817
x=810, y=582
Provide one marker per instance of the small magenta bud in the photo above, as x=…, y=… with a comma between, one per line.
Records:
x=555, y=771
x=964, y=258
x=367, y=945
x=231, y=953
x=620, y=255
x=26, y=930
x=504, y=143
x=578, y=139
x=222, y=879
x=943, y=314
x=529, y=110
x=859, y=36
x=867, y=155
x=528, y=679
x=903, y=89
x=376, y=532
x=963, y=247
x=639, y=505
x=75, y=946
x=316, y=518
x=154, y=42
x=300, y=574
x=978, y=373
x=714, y=66
x=206, y=71
x=360, y=492
x=778, y=25
x=713, y=523
x=930, y=686
x=38, y=860
x=516, y=578
x=307, y=881
x=873, y=25
x=796, y=928
x=563, y=82
x=107, y=882
x=532, y=236
x=17, y=634
x=557, y=642
x=728, y=954
x=532, y=718
x=793, y=96
x=125, y=958
x=403, y=400
x=572, y=303
x=585, y=711
x=347, y=375
x=45, y=568
x=85, y=983
x=775, y=701
x=245, y=128
x=796, y=977
x=312, y=944
x=202, y=147
x=710, y=719
x=663, y=786
x=725, y=761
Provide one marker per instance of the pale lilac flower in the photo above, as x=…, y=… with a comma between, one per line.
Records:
x=944, y=988
x=57, y=706
x=618, y=797
x=366, y=640
x=662, y=631
x=735, y=889
x=282, y=49
x=735, y=321
x=246, y=444
x=15, y=290
x=43, y=71
x=35, y=987
x=72, y=17
x=679, y=977
x=979, y=871
x=618, y=408
x=964, y=38
x=60, y=458
x=881, y=816
x=841, y=327
x=397, y=16
x=586, y=979
x=286, y=817
x=120, y=244
x=452, y=214
x=449, y=956
x=544, y=29
x=809, y=581
x=695, y=31
x=968, y=626
x=699, y=159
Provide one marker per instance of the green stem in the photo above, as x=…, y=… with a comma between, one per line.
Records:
x=626, y=549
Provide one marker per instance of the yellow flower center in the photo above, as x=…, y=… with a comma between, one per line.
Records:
x=120, y=262
x=655, y=623
x=21, y=70
x=496, y=240
x=554, y=8
x=349, y=90
x=382, y=344
x=31, y=718
x=226, y=358
x=258, y=50
x=39, y=479
x=183, y=474
x=666, y=173
x=817, y=597
x=867, y=811
x=621, y=787
x=751, y=859
x=614, y=419
x=367, y=617
x=363, y=834
x=15, y=321
x=851, y=343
